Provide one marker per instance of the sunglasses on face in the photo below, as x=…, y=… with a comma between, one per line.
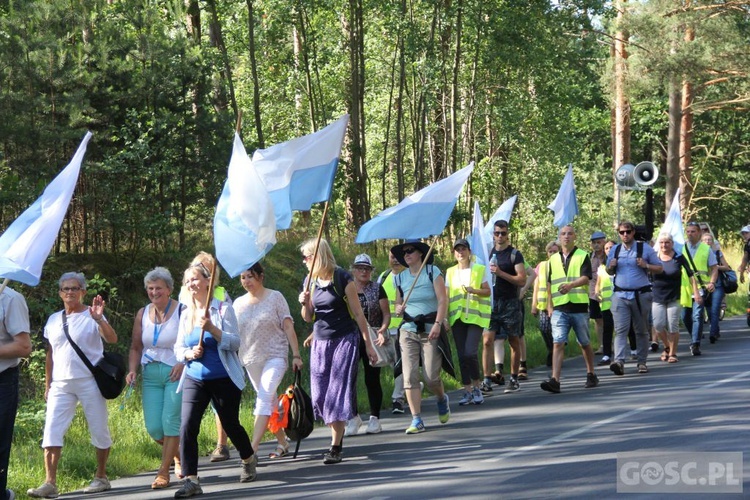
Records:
x=626, y=231
x=70, y=289
x=409, y=250
x=501, y=233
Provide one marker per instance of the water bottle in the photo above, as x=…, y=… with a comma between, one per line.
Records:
x=493, y=262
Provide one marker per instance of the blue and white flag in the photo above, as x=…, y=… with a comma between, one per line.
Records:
x=244, y=224
x=503, y=213
x=25, y=245
x=300, y=172
x=480, y=245
x=673, y=224
x=420, y=215
x=565, y=204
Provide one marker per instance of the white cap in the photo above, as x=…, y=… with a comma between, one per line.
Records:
x=745, y=229
x=363, y=260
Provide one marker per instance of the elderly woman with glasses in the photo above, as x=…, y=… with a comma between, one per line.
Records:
x=374, y=302
x=152, y=347
x=68, y=381
x=328, y=295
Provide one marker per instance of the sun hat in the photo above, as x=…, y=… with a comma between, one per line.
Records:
x=598, y=235
x=363, y=260
x=398, y=250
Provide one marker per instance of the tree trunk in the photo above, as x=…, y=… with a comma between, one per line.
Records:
x=254, y=74
x=455, y=89
x=217, y=40
x=673, y=144
x=621, y=152
x=686, y=136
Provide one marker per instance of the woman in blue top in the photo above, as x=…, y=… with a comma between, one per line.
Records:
x=213, y=373
x=335, y=342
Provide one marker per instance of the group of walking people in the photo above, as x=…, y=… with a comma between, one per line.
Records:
x=193, y=352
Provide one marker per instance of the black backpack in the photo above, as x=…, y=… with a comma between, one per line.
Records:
x=301, y=420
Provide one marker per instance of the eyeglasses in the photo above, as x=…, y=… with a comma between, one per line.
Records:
x=409, y=250
x=500, y=233
x=70, y=289
x=305, y=258
x=362, y=269
x=693, y=224
x=626, y=231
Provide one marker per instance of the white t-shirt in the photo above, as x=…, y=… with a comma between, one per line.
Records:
x=163, y=350
x=85, y=333
x=14, y=319
x=262, y=335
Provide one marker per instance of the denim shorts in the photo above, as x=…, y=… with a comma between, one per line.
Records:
x=506, y=318
x=562, y=322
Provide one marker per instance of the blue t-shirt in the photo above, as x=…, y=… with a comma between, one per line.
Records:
x=628, y=275
x=332, y=317
x=208, y=366
x=422, y=299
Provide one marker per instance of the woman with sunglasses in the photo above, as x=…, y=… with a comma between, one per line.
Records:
x=374, y=302
x=328, y=295
x=540, y=297
x=69, y=381
x=208, y=345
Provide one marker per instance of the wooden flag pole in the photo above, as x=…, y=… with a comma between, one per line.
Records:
x=5, y=284
x=317, y=243
x=424, y=261
x=209, y=296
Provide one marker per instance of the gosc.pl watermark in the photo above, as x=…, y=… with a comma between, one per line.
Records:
x=679, y=472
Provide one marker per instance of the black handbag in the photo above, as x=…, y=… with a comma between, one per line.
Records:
x=109, y=372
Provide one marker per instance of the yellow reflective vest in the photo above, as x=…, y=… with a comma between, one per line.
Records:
x=470, y=308
x=541, y=289
x=700, y=259
x=577, y=295
x=605, y=289
x=390, y=291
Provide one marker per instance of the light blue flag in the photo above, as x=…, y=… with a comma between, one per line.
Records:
x=25, y=245
x=300, y=172
x=244, y=224
x=420, y=215
x=480, y=245
x=565, y=205
x=673, y=224
x=503, y=213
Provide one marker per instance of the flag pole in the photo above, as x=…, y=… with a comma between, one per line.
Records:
x=317, y=242
x=209, y=295
x=5, y=284
x=424, y=261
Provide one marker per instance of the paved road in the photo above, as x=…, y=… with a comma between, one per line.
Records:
x=525, y=445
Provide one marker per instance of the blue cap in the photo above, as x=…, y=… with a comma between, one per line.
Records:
x=598, y=235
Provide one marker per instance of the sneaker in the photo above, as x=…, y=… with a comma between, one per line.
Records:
x=47, y=490
x=695, y=349
x=467, y=399
x=416, y=426
x=10, y=495
x=220, y=454
x=373, y=426
x=604, y=362
x=189, y=488
x=249, y=469
x=654, y=346
x=642, y=368
x=352, y=426
x=513, y=386
x=712, y=339
x=485, y=387
x=444, y=409
x=398, y=407
x=332, y=456
x=477, y=395
x=591, y=380
x=551, y=385
x=98, y=485
x=618, y=368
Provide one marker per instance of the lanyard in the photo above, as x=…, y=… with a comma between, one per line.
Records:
x=157, y=331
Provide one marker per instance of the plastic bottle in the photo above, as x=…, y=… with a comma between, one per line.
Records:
x=493, y=262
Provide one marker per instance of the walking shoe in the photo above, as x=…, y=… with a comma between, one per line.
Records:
x=10, y=495
x=485, y=387
x=513, y=386
x=654, y=346
x=353, y=425
x=642, y=368
x=591, y=380
x=523, y=374
x=332, y=456
x=47, y=490
x=618, y=368
x=695, y=349
x=598, y=352
x=551, y=385
x=98, y=485
x=416, y=426
x=712, y=339
x=397, y=407
x=604, y=362
x=444, y=409
x=189, y=488
x=477, y=394
x=498, y=378
x=467, y=399
x=220, y=454
x=373, y=426
x=249, y=472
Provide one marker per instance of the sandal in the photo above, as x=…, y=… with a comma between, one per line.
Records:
x=665, y=354
x=279, y=452
x=673, y=359
x=178, y=468
x=160, y=483
x=523, y=374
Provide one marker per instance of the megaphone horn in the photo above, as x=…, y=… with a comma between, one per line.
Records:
x=645, y=173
